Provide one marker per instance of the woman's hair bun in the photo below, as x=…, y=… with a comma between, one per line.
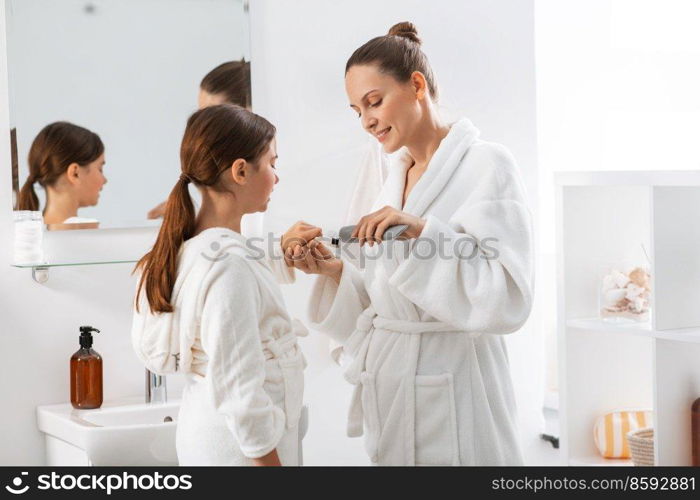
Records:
x=405, y=30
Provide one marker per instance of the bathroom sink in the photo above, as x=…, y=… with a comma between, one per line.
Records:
x=124, y=432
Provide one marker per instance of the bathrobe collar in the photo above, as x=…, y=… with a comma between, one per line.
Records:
x=442, y=165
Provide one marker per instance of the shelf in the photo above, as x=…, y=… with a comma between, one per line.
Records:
x=40, y=271
x=69, y=264
x=691, y=335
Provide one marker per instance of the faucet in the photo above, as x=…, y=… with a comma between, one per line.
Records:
x=156, y=389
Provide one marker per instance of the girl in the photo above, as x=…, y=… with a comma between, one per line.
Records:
x=67, y=161
x=424, y=322
x=208, y=305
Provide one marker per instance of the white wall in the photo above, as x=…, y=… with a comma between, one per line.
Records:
x=483, y=56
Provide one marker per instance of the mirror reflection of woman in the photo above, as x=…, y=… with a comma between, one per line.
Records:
x=228, y=83
x=67, y=161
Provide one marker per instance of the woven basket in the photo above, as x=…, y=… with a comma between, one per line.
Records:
x=641, y=444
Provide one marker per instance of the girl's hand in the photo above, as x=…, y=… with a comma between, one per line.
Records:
x=315, y=258
x=371, y=227
x=299, y=234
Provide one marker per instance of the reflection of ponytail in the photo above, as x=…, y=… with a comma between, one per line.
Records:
x=53, y=150
x=215, y=137
x=28, y=200
x=159, y=266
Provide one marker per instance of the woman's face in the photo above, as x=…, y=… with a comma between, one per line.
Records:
x=262, y=181
x=91, y=179
x=389, y=110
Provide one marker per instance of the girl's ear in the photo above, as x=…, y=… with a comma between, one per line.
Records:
x=73, y=173
x=240, y=171
x=420, y=85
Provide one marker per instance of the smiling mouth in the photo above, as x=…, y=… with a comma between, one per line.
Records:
x=382, y=134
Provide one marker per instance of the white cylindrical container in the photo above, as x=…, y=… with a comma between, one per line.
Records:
x=29, y=237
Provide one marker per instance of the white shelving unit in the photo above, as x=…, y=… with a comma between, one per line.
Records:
x=609, y=219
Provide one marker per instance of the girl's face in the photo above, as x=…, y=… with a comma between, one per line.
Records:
x=90, y=181
x=262, y=180
x=388, y=109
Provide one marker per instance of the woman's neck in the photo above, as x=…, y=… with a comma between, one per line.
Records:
x=429, y=134
x=60, y=206
x=218, y=210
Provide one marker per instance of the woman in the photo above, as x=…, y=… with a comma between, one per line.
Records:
x=228, y=83
x=424, y=323
x=67, y=161
x=208, y=305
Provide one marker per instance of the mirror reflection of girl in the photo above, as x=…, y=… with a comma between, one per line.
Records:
x=228, y=83
x=208, y=295
x=67, y=161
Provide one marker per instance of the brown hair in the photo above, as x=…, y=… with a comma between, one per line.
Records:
x=57, y=146
x=232, y=80
x=214, y=138
x=398, y=54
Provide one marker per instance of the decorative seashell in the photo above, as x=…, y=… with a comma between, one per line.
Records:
x=634, y=291
x=612, y=297
x=640, y=277
x=638, y=305
x=621, y=279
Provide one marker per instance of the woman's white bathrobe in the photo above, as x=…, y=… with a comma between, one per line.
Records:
x=424, y=323
x=231, y=336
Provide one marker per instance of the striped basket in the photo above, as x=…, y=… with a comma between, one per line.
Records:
x=642, y=446
x=611, y=430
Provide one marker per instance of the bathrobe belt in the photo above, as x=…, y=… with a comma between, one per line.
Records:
x=357, y=347
x=287, y=343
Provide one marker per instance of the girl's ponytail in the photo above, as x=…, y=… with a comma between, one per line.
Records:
x=178, y=226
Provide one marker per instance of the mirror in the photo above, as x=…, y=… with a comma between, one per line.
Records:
x=124, y=75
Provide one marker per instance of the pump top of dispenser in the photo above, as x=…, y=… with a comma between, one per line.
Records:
x=86, y=336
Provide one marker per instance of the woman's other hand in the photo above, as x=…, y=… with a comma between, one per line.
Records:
x=157, y=212
x=371, y=227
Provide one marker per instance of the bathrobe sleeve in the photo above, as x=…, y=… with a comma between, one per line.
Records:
x=270, y=250
x=236, y=363
x=275, y=259
x=335, y=307
x=483, y=280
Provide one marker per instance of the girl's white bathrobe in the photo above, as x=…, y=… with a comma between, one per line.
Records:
x=231, y=336
x=424, y=323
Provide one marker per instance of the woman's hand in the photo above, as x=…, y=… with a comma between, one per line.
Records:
x=315, y=258
x=299, y=234
x=371, y=227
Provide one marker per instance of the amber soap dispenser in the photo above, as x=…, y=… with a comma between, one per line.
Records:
x=86, y=373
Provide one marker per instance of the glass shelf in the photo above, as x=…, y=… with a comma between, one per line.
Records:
x=40, y=271
x=69, y=264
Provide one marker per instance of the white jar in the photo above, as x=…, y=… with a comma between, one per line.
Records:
x=29, y=237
